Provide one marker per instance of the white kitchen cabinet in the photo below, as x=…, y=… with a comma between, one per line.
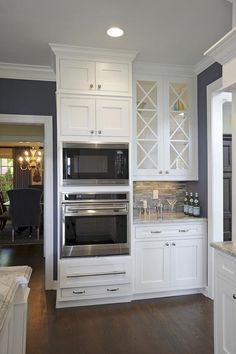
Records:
x=165, y=124
x=187, y=263
x=170, y=257
x=94, y=280
x=225, y=305
x=152, y=263
x=94, y=117
x=84, y=70
x=93, y=77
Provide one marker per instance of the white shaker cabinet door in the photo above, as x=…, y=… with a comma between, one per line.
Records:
x=187, y=263
x=112, y=117
x=77, y=116
x=152, y=265
x=112, y=77
x=76, y=75
x=225, y=316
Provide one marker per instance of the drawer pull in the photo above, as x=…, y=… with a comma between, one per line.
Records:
x=114, y=289
x=234, y=296
x=156, y=232
x=95, y=274
x=78, y=292
x=183, y=230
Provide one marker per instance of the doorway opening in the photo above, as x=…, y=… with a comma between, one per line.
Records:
x=218, y=112
x=45, y=176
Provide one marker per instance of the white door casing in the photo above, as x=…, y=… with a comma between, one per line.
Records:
x=46, y=121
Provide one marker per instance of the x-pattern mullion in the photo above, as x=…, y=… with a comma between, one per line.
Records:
x=179, y=95
x=147, y=154
x=179, y=155
x=147, y=124
x=179, y=126
x=146, y=94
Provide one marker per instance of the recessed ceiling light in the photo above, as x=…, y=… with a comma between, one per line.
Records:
x=115, y=32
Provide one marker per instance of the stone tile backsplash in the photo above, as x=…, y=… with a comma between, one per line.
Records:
x=166, y=190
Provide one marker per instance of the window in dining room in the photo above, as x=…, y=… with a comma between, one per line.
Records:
x=6, y=171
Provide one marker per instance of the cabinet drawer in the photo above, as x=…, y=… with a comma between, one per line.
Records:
x=96, y=291
x=225, y=266
x=88, y=272
x=170, y=230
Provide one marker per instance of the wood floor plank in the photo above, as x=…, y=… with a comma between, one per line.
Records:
x=174, y=325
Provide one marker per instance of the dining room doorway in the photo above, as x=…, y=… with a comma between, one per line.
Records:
x=18, y=134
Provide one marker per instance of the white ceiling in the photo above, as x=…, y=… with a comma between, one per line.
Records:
x=162, y=31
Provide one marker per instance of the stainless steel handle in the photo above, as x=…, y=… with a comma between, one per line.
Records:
x=160, y=172
x=167, y=172
x=91, y=86
x=173, y=244
x=115, y=289
x=95, y=274
x=167, y=244
x=156, y=232
x=92, y=131
x=234, y=296
x=183, y=230
x=99, y=86
x=78, y=292
x=99, y=132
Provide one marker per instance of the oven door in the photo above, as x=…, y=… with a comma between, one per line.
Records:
x=100, y=229
x=94, y=164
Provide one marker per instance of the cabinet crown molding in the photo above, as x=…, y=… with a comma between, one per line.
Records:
x=224, y=50
x=92, y=53
x=149, y=68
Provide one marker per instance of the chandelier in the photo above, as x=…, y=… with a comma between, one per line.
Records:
x=31, y=159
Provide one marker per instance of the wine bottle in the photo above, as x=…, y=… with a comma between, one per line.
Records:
x=196, y=206
x=186, y=200
x=190, y=204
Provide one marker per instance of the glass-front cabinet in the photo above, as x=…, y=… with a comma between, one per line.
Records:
x=165, y=130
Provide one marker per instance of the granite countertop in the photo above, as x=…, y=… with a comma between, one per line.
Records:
x=227, y=247
x=10, y=279
x=167, y=217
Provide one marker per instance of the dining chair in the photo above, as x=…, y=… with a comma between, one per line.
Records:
x=25, y=209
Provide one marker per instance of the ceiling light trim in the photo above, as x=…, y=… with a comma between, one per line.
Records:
x=26, y=72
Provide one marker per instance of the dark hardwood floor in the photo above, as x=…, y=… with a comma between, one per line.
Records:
x=175, y=325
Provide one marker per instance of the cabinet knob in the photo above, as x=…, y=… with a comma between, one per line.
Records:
x=160, y=172
x=92, y=131
x=91, y=86
x=99, y=132
x=167, y=172
x=99, y=86
x=234, y=296
x=173, y=243
x=167, y=244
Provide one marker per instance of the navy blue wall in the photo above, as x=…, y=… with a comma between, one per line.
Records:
x=33, y=98
x=214, y=72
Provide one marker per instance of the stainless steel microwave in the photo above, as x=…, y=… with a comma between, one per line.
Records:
x=95, y=164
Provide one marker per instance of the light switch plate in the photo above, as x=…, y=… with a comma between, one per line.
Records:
x=155, y=194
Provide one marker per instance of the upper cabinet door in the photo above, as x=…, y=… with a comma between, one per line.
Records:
x=180, y=128
x=76, y=75
x=112, y=77
x=148, y=128
x=77, y=116
x=112, y=117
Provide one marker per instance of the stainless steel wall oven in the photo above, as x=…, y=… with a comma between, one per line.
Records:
x=95, y=164
x=95, y=224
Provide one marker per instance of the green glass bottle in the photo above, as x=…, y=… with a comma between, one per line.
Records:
x=196, y=206
x=186, y=201
x=190, y=204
